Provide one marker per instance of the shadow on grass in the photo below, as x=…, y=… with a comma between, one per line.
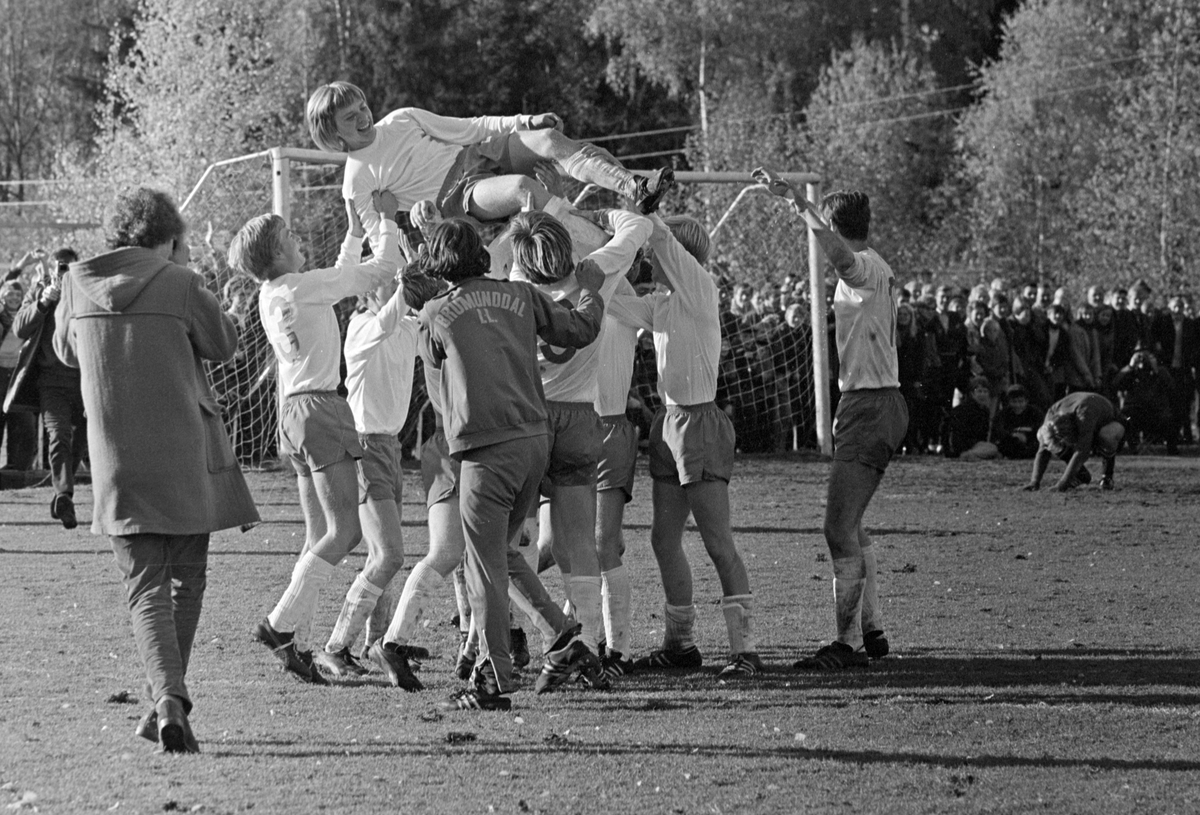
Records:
x=531, y=749
x=1140, y=678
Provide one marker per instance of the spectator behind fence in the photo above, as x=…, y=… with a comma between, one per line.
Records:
x=42, y=379
x=21, y=425
x=137, y=323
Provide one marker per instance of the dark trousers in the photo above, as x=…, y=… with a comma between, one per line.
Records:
x=62, y=414
x=165, y=577
x=22, y=432
x=497, y=486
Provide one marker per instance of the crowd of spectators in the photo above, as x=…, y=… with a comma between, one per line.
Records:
x=1013, y=352
x=978, y=367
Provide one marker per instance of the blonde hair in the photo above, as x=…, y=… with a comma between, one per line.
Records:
x=321, y=112
x=255, y=245
x=541, y=247
x=691, y=235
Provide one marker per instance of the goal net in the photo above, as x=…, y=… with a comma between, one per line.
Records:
x=770, y=366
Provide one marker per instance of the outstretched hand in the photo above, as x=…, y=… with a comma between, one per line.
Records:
x=1031, y=487
x=424, y=216
x=545, y=121
x=385, y=203
x=774, y=183
x=547, y=172
x=588, y=275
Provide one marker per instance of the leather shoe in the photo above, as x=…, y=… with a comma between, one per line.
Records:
x=174, y=732
x=62, y=508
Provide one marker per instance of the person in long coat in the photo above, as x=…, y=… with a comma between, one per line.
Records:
x=138, y=323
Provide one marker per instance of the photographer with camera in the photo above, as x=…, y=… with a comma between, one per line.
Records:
x=42, y=379
x=1145, y=388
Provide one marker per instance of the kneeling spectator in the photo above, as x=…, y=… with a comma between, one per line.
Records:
x=970, y=423
x=1015, y=427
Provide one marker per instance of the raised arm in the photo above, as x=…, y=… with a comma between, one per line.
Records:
x=64, y=330
x=629, y=232
x=212, y=331
x=560, y=324
x=832, y=244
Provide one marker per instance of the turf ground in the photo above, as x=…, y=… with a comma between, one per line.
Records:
x=1045, y=659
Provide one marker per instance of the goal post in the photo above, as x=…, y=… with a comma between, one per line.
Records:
x=283, y=157
x=304, y=188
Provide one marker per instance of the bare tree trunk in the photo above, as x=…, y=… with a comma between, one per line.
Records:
x=702, y=90
x=1165, y=187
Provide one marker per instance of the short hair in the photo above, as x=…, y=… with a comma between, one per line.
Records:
x=146, y=218
x=65, y=255
x=321, y=113
x=979, y=382
x=541, y=247
x=455, y=252
x=1017, y=392
x=256, y=244
x=691, y=236
x=850, y=213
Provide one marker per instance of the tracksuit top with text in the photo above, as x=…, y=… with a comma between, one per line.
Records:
x=483, y=335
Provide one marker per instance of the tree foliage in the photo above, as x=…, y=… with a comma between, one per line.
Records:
x=1032, y=142
x=1141, y=207
x=51, y=68
x=204, y=81
x=875, y=123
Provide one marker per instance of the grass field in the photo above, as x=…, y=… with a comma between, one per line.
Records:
x=1045, y=659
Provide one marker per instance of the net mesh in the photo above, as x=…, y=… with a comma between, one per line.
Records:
x=765, y=380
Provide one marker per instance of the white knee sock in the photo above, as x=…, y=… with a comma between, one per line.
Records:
x=295, y=609
x=359, y=603
x=517, y=598
x=568, y=606
x=585, y=596
x=421, y=585
x=381, y=616
x=740, y=624
x=677, y=635
x=849, y=575
x=460, y=597
x=617, y=594
x=872, y=619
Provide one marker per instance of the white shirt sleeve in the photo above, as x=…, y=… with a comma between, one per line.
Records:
x=328, y=286
x=690, y=282
x=633, y=311
x=453, y=130
x=630, y=232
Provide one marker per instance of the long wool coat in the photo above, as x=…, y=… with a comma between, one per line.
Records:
x=138, y=326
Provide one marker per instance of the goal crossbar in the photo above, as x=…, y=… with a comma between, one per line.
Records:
x=283, y=157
